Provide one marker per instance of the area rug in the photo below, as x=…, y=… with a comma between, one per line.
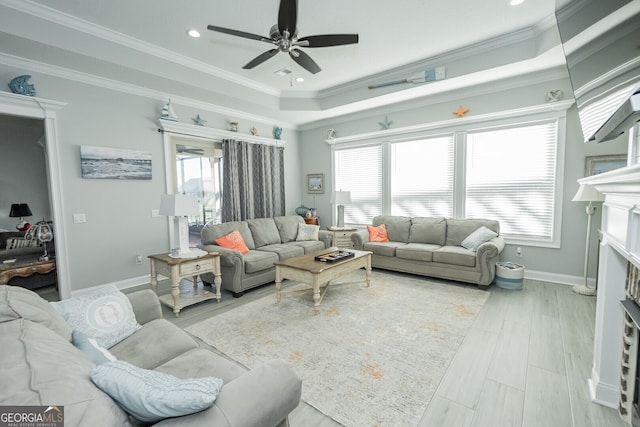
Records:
x=370, y=357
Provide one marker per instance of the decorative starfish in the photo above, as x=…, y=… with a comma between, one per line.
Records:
x=461, y=111
x=386, y=123
x=197, y=120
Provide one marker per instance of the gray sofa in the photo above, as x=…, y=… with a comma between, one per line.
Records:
x=268, y=239
x=432, y=247
x=42, y=367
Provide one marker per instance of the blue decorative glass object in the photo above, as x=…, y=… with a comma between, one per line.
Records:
x=302, y=210
x=277, y=132
x=21, y=86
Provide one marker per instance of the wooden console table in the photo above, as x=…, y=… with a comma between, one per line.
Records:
x=177, y=269
x=25, y=267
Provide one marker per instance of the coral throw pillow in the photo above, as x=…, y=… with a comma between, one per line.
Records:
x=378, y=234
x=233, y=240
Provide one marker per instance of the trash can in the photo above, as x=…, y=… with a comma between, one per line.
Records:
x=509, y=275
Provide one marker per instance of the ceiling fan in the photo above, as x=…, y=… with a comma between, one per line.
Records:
x=284, y=35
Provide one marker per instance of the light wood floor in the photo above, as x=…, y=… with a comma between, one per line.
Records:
x=524, y=362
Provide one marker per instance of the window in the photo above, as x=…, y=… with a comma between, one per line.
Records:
x=422, y=177
x=359, y=170
x=504, y=168
x=510, y=176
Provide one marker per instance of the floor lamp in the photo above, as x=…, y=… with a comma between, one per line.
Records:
x=587, y=193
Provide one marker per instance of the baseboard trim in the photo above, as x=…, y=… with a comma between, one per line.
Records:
x=562, y=279
x=121, y=284
x=603, y=394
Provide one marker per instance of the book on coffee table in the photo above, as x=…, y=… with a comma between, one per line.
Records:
x=334, y=256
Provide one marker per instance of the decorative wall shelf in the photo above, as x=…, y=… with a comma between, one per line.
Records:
x=215, y=134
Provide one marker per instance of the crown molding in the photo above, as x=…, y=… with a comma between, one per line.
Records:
x=399, y=134
x=77, y=24
x=28, y=106
x=93, y=80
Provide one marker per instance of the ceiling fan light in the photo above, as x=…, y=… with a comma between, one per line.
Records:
x=300, y=79
x=515, y=2
x=193, y=33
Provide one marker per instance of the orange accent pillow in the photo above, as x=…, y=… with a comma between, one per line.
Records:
x=378, y=234
x=233, y=240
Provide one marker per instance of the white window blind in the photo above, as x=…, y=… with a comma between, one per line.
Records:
x=422, y=174
x=511, y=177
x=359, y=170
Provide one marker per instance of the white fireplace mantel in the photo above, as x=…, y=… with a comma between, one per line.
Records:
x=620, y=245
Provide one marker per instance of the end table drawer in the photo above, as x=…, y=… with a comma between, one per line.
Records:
x=196, y=267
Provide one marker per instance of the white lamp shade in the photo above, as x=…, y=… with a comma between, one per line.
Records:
x=588, y=193
x=178, y=205
x=341, y=197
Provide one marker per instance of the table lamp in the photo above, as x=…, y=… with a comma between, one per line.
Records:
x=42, y=231
x=341, y=198
x=180, y=206
x=587, y=193
x=20, y=210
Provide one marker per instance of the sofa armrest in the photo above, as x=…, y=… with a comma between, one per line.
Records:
x=264, y=396
x=228, y=257
x=359, y=238
x=146, y=305
x=326, y=237
x=487, y=256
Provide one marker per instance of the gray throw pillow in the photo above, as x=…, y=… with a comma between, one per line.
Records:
x=478, y=237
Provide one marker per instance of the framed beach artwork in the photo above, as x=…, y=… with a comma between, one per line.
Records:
x=595, y=165
x=315, y=183
x=114, y=163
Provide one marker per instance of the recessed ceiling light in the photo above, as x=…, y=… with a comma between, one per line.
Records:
x=193, y=33
x=515, y=2
x=300, y=79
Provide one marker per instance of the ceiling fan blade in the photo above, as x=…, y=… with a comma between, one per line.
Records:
x=260, y=59
x=288, y=17
x=329, y=40
x=304, y=61
x=239, y=33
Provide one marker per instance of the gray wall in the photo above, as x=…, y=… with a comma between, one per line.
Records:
x=568, y=260
x=118, y=212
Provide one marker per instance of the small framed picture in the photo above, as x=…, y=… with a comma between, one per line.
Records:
x=595, y=165
x=315, y=183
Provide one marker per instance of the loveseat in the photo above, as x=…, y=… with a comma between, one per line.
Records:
x=432, y=246
x=39, y=365
x=268, y=240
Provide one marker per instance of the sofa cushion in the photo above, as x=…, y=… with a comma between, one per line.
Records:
x=428, y=230
x=17, y=302
x=38, y=367
x=397, y=227
x=201, y=362
x=459, y=229
x=478, y=237
x=152, y=396
x=455, y=255
x=264, y=231
x=256, y=261
x=144, y=349
x=378, y=234
x=417, y=251
x=104, y=313
x=288, y=227
x=383, y=249
x=284, y=251
x=211, y=232
x=233, y=241
x=309, y=245
x=307, y=232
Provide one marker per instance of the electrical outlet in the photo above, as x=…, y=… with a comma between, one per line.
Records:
x=79, y=218
x=518, y=251
x=138, y=259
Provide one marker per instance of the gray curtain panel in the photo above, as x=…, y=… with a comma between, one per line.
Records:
x=253, y=181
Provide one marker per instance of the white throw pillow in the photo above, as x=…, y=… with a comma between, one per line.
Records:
x=478, y=237
x=104, y=314
x=151, y=396
x=307, y=232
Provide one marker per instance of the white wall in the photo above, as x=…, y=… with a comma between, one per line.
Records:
x=118, y=212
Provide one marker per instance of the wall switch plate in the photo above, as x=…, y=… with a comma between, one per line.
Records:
x=79, y=218
x=518, y=251
x=155, y=213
